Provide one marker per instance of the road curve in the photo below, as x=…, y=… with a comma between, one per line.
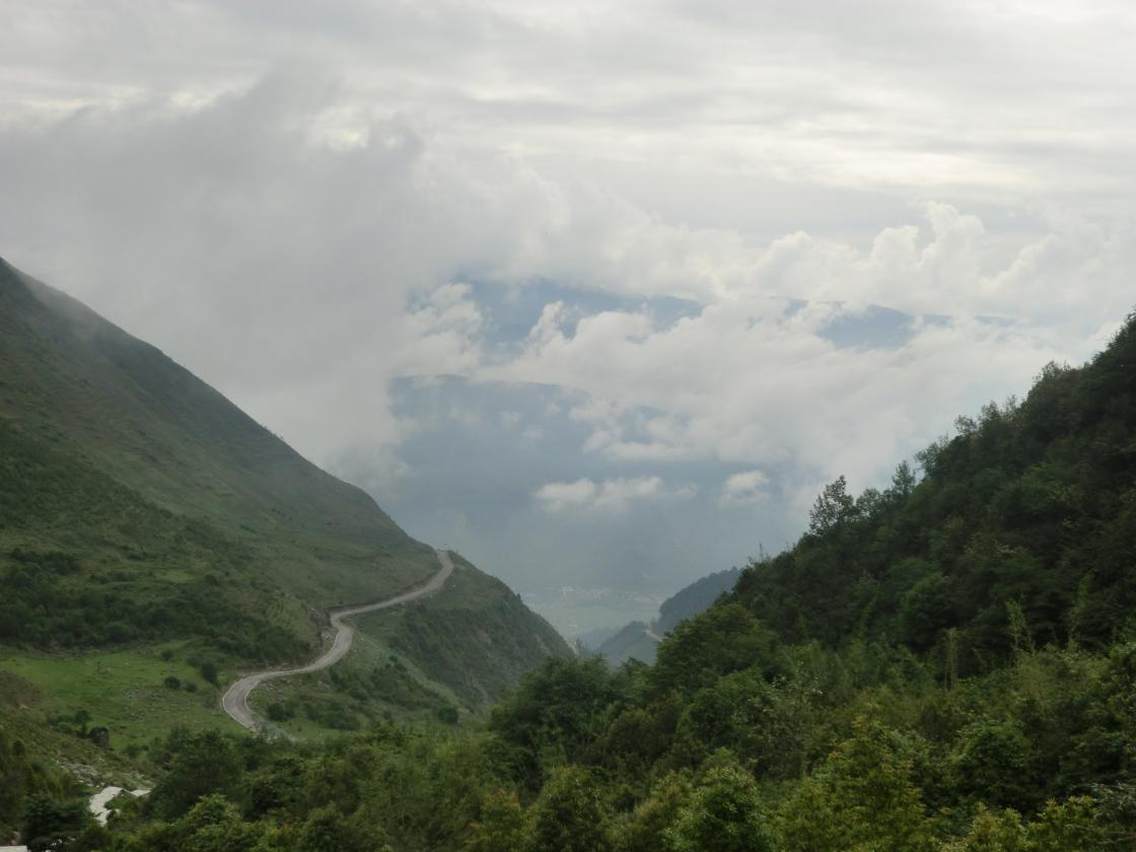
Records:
x=235, y=700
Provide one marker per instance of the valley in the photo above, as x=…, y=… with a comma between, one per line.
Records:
x=595, y=427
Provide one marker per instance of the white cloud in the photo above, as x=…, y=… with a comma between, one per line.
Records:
x=611, y=495
x=753, y=378
x=441, y=335
x=744, y=489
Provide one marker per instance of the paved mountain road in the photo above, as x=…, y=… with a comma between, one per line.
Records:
x=235, y=699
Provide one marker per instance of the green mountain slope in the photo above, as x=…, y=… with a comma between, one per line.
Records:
x=78, y=382
x=141, y=510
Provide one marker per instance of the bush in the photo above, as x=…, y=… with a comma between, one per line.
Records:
x=280, y=712
x=50, y=823
x=208, y=671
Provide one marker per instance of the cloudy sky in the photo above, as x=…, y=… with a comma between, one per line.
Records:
x=598, y=293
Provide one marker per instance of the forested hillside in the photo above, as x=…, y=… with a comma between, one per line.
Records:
x=947, y=664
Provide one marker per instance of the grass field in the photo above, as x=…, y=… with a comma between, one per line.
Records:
x=124, y=691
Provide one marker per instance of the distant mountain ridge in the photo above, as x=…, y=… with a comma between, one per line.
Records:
x=634, y=641
x=693, y=599
x=639, y=640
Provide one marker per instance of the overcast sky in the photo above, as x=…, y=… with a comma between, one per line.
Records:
x=598, y=293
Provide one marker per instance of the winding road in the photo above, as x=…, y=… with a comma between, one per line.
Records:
x=235, y=699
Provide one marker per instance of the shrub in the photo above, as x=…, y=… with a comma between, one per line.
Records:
x=208, y=671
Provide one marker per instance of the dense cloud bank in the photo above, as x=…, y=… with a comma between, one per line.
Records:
x=681, y=263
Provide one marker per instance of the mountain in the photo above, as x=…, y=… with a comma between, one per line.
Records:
x=638, y=639
x=635, y=641
x=590, y=640
x=693, y=599
x=152, y=529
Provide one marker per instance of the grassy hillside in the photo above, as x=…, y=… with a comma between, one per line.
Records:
x=476, y=635
x=149, y=529
x=118, y=405
x=439, y=658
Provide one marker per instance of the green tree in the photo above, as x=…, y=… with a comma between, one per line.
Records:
x=761, y=722
x=502, y=826
x=327, y=830
x=864, y=797
x=556, y=712
x=201, y=764
x=925, y=612
x=1073, y=824
x=723, y=814
x=992, y=762
x=51, y=823
x=725, y=638
x=992, y=831
x=643, y=829
x=833, y=508
x=214, y=824
x=571, y=815
x=208, y=671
